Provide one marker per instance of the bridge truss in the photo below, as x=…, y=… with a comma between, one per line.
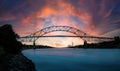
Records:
x=78, y=33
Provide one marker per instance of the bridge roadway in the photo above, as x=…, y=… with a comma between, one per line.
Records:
x=69, y=36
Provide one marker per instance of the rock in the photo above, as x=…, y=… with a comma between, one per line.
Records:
x=20, y=63
x=11, y=58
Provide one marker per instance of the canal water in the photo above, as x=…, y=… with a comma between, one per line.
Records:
x=72, y=59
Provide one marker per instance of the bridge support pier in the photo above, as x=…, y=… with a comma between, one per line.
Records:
x=34, y=45
x=85, y=44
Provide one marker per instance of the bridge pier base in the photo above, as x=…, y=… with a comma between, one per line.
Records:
x=85, y=44
x=34, y=45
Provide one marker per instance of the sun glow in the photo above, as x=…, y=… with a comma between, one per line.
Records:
x=59, y=41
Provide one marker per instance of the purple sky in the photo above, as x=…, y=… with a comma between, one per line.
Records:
x=95, y=17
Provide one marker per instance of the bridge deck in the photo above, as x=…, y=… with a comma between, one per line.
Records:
x=71, y=36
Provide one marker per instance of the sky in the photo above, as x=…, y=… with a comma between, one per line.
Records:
x=94, y=17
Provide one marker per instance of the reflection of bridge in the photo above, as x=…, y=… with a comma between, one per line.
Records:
x=41, y=33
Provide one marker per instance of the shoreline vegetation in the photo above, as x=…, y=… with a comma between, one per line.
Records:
x=11, y=58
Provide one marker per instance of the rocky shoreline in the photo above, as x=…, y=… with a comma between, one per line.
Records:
x=16, y=62
x=11, y=58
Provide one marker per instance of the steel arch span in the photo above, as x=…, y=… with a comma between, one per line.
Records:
x=44, y=31
x=80, y=34
x=47, y=30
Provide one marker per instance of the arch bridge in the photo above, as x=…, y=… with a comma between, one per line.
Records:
x=41, y=33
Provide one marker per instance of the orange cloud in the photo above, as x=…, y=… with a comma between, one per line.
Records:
x=59, y=13
x=91, y=16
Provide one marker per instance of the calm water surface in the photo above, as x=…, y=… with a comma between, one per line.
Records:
x=70, y=59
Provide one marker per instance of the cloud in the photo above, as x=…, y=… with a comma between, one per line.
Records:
x=95, y=17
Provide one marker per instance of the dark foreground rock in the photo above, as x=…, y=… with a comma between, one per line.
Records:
x=11, y=58
x=16, y=62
